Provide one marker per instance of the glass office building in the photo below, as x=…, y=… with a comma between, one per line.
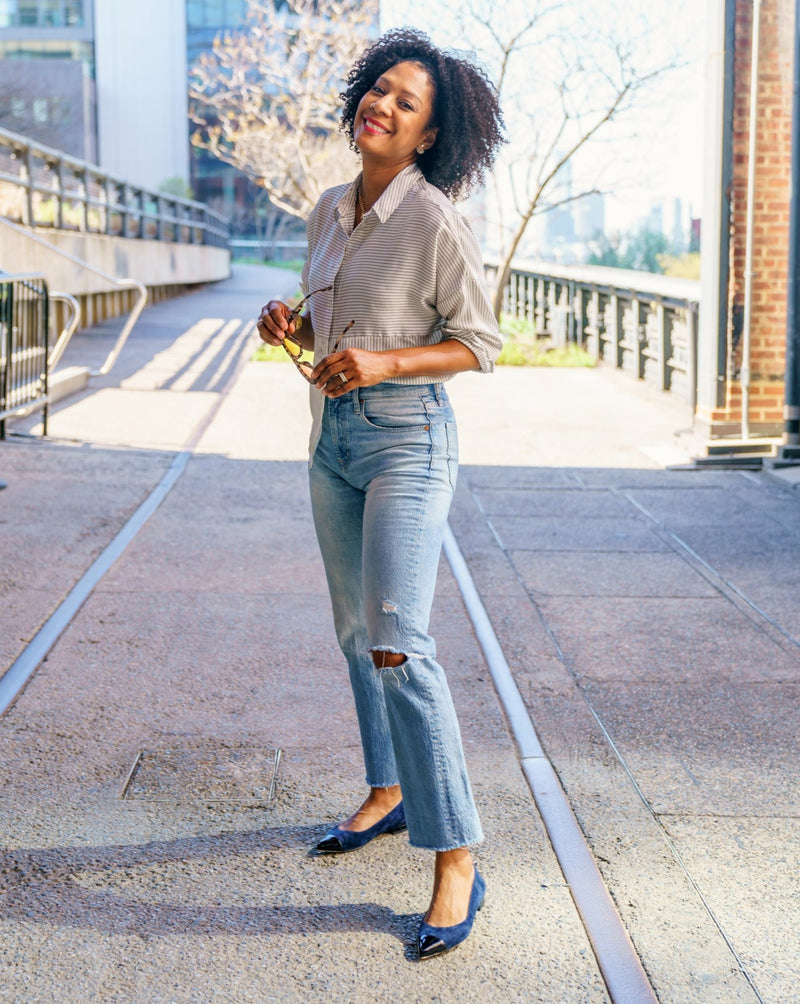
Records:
x=47, y=73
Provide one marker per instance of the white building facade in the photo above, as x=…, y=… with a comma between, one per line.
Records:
x=140, y=79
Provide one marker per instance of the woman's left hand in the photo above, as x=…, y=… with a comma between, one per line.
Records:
x=341, y=372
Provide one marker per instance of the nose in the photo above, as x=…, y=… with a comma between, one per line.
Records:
x=380, y=103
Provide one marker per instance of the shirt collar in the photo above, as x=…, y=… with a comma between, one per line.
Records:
x=398, y=189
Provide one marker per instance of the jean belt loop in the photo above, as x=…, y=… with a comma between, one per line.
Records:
x=437, y=390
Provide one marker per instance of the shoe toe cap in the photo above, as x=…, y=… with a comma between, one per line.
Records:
x=430, y=945
x=329, y=845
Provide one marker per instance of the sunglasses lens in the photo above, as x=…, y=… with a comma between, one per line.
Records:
x=292, y=348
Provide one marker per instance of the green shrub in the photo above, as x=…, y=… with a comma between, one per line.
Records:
x=521, y=347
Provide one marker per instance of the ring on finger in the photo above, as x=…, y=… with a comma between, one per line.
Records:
x=342, y=377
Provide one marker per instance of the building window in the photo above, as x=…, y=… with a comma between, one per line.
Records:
x=28, y=13
x=52, y=13
x=73, y=13
x=41, y=13
x=215, y=13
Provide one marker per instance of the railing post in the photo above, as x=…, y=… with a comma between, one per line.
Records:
x=691, y=354
x=83, y=201
x=617, y=311
x=638, y=335
x=664, y=348
x=594, y=325
x=6, y=327
x=27, y=174
x=571, y=312
x=59, y=176
x=541, y=306
x=107, y=188
x=43, y=372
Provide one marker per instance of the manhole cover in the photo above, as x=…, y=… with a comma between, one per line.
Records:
x=209, y=775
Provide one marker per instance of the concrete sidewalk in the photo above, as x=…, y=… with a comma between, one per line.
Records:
x=649, y=617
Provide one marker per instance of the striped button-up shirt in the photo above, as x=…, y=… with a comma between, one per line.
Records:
x=410, y=274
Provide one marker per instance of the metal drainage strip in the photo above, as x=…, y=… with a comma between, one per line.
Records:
x=240, y=774
x=619, y=964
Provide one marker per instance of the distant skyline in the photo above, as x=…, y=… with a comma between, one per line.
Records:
x=653, y=153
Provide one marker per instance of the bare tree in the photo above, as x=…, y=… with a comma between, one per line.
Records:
x=265, y=99
x=562, y=80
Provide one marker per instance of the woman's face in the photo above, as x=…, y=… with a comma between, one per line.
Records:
x=393, y=117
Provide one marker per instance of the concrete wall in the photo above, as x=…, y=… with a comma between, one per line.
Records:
x=155, y=263
x=166, y=269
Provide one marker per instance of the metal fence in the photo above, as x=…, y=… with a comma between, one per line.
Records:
x=276, y=251
x=643, y=324
x=23, y=346
x=41, y=187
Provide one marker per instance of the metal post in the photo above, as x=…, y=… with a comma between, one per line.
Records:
x=718, y=175
x=7, y=329
x=27, y=173
x=59, y=174
x=752, y=146
x=791, y=407
x=664, y=348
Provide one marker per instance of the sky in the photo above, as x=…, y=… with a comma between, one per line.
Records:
x=654, y=152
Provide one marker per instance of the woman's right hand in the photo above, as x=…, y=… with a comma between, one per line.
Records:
x=272, y=325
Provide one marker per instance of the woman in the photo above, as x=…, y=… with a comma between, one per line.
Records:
x=395, y=269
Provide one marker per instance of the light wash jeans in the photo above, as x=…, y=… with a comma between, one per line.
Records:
x=382, y=479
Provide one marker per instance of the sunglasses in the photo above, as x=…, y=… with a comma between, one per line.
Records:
x=292, y=344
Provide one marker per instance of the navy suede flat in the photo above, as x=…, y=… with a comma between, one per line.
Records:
x=339, y=841
x=436, y=940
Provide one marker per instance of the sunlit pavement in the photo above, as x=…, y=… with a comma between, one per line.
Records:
x=649, y=617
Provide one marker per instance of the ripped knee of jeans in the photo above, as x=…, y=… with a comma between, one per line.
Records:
x=387, y=658
x=388, y=661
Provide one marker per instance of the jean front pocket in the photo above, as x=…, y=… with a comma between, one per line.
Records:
x=404, y=410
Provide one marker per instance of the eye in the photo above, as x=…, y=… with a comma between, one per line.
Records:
x=407, y=105
x=377, y=89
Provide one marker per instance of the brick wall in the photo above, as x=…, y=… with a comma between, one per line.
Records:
x=771, y=221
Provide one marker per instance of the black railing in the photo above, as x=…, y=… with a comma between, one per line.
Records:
x=23, y=346
x=41, y=187
x=641, y=323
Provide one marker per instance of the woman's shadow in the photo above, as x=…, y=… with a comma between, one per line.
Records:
x=85, y=887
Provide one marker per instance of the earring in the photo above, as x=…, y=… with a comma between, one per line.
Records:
x=420, y=149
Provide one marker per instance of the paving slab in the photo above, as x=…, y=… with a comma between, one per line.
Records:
x=610, y=574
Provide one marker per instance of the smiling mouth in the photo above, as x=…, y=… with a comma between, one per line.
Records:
x=374, y=126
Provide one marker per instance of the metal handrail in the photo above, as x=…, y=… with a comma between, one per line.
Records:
x=23, y=347
x=667, y=287
x=134, y=284
x=67, y=331
x=114, y=197
x=644, y=324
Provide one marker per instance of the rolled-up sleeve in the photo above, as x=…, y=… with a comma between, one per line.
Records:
x=462, y=296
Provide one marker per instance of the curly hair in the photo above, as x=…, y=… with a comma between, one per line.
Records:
x=466, y=110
